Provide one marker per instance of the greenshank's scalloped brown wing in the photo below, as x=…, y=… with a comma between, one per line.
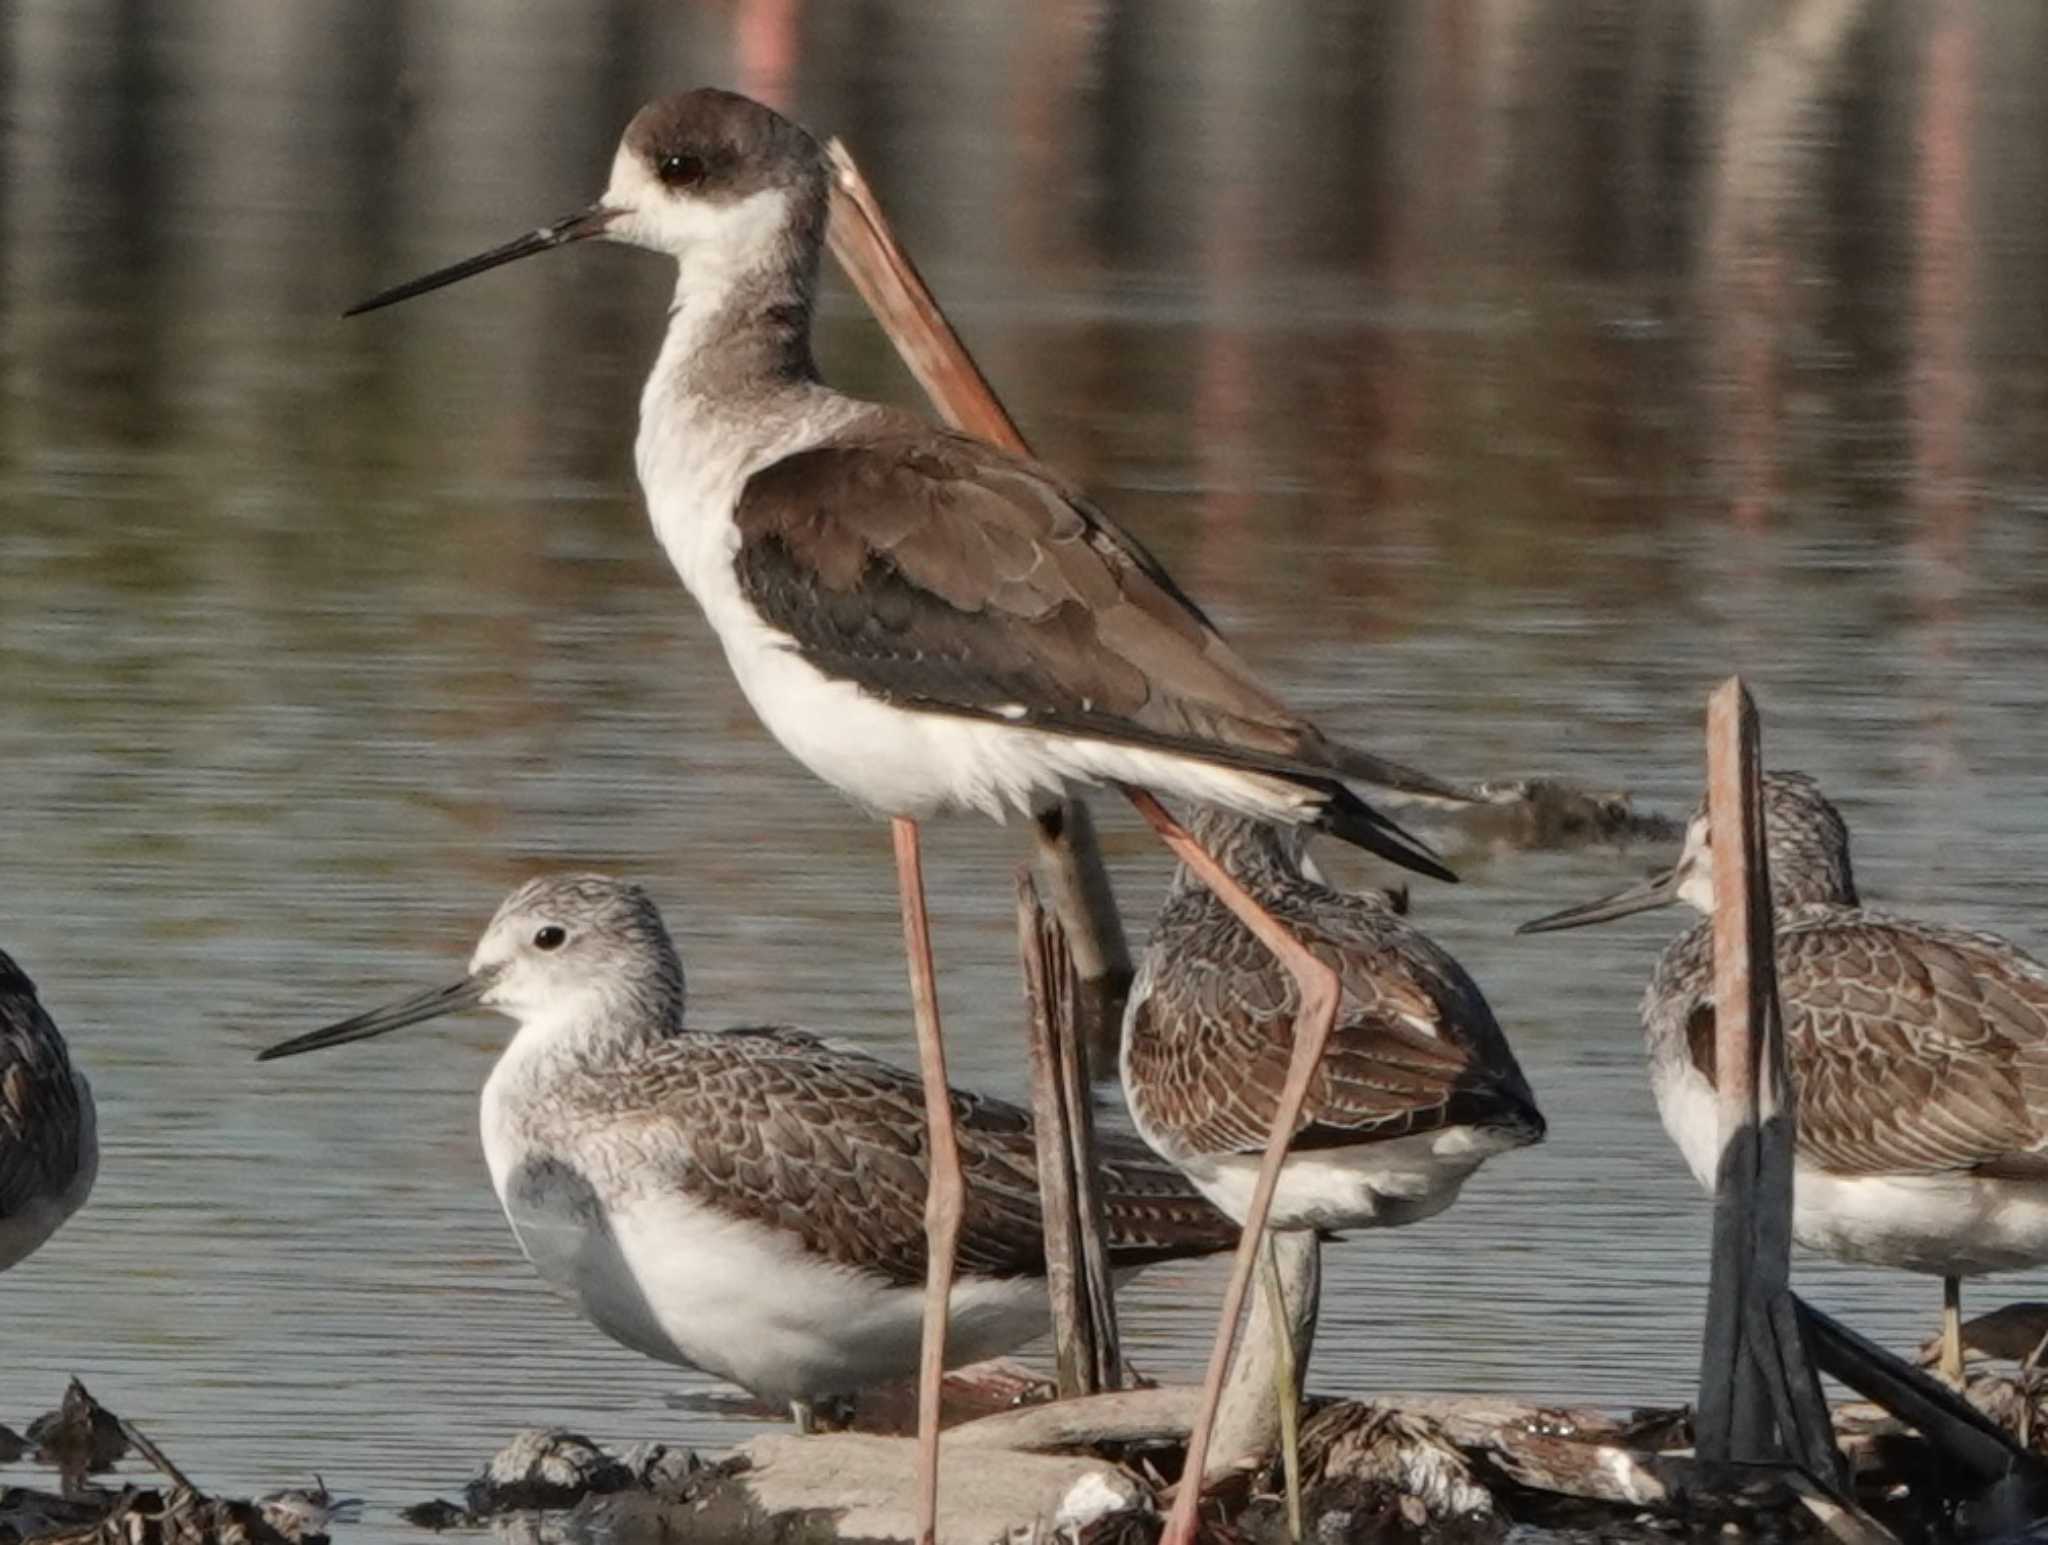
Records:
x=828, y=1146
x=1416, y=1048
x=1915, y=1049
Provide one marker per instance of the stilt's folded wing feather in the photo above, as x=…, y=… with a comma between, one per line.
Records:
x=935, y=571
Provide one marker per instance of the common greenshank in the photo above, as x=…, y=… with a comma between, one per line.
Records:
x=1918, y=1055
x=746, y=1202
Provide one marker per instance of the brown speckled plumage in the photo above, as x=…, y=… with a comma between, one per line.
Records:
x=48, y=1148
x=828, y=1145
x=1210, y=1032
x=1914, y=1048
x=747, y=1202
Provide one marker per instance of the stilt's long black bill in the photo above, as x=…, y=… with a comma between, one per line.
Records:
x=1660, y=890
x=395, y=1016
x=580, y=226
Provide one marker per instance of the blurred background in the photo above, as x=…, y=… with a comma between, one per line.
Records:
x=1501, y=374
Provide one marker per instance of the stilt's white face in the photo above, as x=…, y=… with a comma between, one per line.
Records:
x=709, y=236
x=716, y=182
x=680, y=218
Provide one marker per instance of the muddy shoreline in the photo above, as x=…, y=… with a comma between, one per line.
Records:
x=1393, y=1468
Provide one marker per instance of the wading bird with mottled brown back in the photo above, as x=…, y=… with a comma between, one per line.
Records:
x=747, y=1202
x=1917, y=1053
x=1418, y=1086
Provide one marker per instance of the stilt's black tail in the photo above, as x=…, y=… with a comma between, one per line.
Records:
x=1348, y=817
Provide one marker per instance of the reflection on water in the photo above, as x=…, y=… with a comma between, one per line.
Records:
x=1501, y=375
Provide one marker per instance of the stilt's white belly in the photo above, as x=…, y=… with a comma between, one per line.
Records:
x=1952, y=1225
x=897, y=761
x=686, y=1285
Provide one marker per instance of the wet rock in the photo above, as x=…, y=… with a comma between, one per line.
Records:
x=663, y=1470
x=28, y=1514
x=12, y=1445
x=544, y=1468
x=437, y=1514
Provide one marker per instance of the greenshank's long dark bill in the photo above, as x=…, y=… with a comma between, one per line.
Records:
x=746, y=1202
x=1918, y=1055
x=49, y=1132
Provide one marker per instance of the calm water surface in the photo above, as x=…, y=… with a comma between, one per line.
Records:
x=1501, y=376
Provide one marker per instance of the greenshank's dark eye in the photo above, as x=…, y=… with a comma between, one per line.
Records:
x=552, y=937
x=679, y=169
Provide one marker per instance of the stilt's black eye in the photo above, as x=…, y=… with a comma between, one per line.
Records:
x=679, y=169
x=552, y=937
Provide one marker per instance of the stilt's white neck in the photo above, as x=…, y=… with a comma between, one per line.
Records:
x=739, y=329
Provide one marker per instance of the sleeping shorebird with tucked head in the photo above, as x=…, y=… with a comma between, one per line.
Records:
x=926, y=622
x=49, y=1130
x=1917, y=1053
x=746, y=1202
x=1417, y=1088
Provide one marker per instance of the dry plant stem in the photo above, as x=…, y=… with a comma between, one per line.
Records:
x=1312, y=1026
x=1952, y=1329
x=1039, y=947
x=1077, y=882
x=896, y=292
x=1287, y=1386
x=1734, y=1418
x=155, y=1456
x=946, y=1187
x=1760, y=1397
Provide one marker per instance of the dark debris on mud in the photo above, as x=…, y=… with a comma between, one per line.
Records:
x=81, y=1438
